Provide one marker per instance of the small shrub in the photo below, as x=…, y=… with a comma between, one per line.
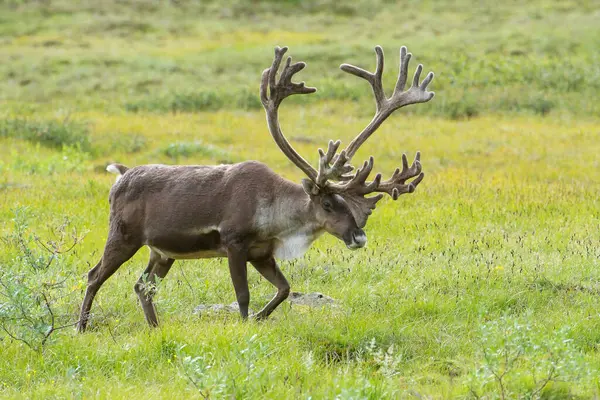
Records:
x=123, y=27
x=248, y=100
x=179, y=102
x=35, y=285
x=48, y=133
x=388, y=362
x=461, y=108
x=540, y=105
x=518, y=362
x=245, y=99
x=345, y=90
x=201, y=101
x=70, y=159
x=205, y=374
x=129, y=143
x=200, y=371
x=183, y=150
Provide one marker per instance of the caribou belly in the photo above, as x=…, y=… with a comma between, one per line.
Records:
x=189, y=256
x=208, y=245
x=204, y=243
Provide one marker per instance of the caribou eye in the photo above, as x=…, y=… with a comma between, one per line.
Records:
x=327, y=206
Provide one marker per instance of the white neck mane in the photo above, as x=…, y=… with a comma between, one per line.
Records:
x=291, y=223
x=295, y=244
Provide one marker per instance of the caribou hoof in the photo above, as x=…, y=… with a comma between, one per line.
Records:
x=258, y=317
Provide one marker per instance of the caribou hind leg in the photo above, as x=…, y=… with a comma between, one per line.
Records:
x=157, y=267
x=270, y=271
x=116, y=252
x=237, y=256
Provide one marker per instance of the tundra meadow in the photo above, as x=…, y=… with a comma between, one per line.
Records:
x=484, y=283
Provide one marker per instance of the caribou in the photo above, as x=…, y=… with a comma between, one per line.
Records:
x=246, y=212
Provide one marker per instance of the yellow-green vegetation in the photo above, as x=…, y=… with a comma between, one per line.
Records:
x=484, y=283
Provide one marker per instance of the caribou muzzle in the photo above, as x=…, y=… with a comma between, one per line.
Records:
x=355, y=240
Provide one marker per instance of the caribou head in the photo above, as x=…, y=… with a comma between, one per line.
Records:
x=245, y=211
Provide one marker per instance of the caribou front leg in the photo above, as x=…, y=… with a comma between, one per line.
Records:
x=270, y=271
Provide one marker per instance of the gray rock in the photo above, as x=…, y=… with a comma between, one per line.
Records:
x=219, y=309
x=314, y=299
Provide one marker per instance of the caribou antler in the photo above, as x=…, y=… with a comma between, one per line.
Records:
x=279, y=90
x=334, y=168
x=357, y=187
x=396, y=185
x=386, y=106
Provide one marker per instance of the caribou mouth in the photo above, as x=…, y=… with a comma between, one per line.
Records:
x=359, y=240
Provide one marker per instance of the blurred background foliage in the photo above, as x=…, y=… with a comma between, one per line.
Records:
x=183, y=56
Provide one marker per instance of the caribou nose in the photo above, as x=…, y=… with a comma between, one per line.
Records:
x=359, y=239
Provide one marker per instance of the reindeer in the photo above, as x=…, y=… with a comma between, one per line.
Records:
x=245, y=211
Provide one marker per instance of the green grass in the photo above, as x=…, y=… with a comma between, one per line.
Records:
x=491, y=266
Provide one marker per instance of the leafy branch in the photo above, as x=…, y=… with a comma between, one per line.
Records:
x=34, y=286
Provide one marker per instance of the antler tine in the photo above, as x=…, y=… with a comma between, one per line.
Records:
x=358, y=184
x=396, y=185
x=336, y=171
x=279, y=53
x=386, y=106
x=373, y=78
x=363, y=173
x=272, y=93
x=283, y=88
x=403, y=72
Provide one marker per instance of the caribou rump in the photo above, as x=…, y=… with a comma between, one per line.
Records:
x=247, y=212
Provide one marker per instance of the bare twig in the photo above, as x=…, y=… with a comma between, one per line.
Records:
x=20, y=339
x=193, y=381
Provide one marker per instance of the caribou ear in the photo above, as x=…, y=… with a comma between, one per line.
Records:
x=310, y=187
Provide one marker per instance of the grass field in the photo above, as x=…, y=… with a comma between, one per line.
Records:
x=484, y=283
